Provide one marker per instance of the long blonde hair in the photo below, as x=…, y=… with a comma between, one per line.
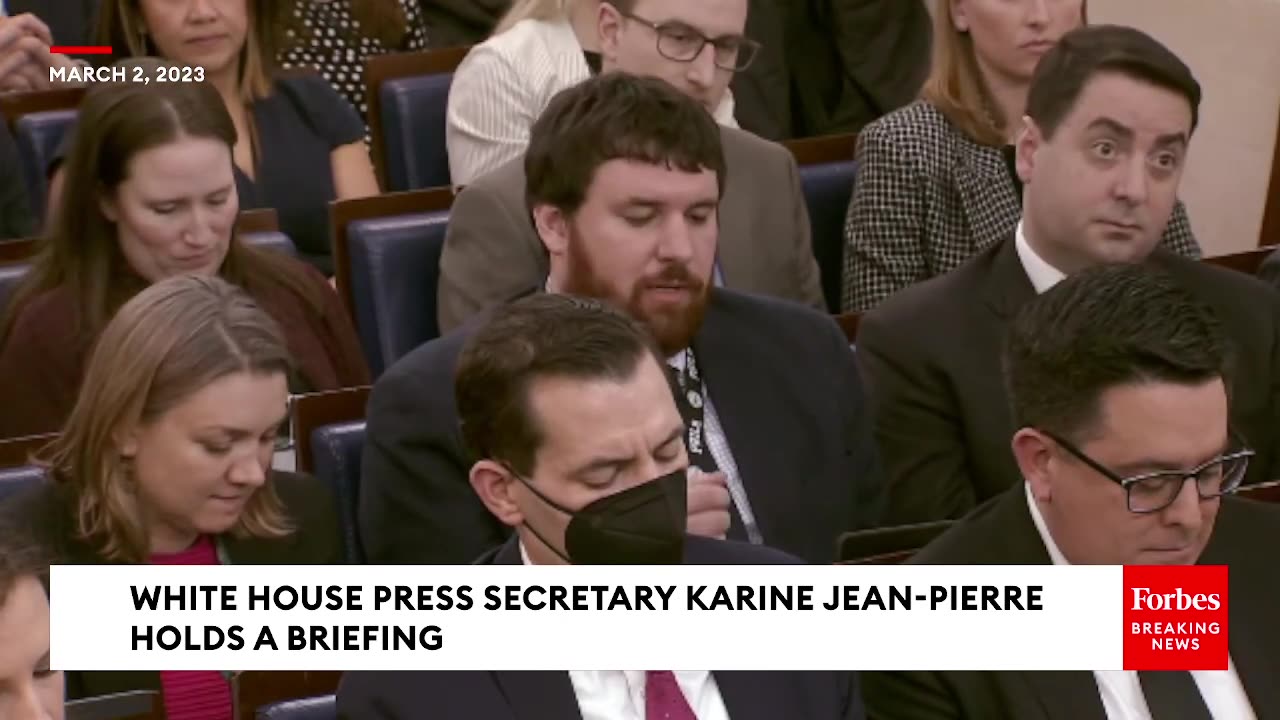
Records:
x=167, y=343
x=955, y=84
x=534, y=10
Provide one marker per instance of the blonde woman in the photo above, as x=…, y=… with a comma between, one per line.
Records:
x=166, y=459
x=934, y=181
x=539, y=48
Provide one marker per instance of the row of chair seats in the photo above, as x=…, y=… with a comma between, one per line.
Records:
x=410, y=142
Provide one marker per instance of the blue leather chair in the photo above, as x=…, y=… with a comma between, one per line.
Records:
x=37, y=136
x=271, y=241
x=14, y=480
x=10, y=277
x=395, y=270
x=413, y=130
x=827, y=188
x=322, y=707
x=336, y=452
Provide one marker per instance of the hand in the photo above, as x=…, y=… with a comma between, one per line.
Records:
x=708, y=511
x=22, y=38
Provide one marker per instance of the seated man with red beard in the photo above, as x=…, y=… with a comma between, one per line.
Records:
x=625, y=177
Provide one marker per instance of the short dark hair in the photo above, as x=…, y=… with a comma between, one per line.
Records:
x=538, y=337
x=1086, y=52
x=623, y=6
x=616, y=116
x=20, y=558
x=1098, y=329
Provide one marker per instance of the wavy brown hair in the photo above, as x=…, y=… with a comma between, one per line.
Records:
x=167, y=343
x=82, y=251
x=955, y=85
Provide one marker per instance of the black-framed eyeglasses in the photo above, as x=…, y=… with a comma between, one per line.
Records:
x=683, y=43
x=1154, y=491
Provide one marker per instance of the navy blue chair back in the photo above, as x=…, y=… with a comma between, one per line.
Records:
x=271, y=240
x=395, y=270
x=413, y=128
x=14, y=480
x=37, y=136
x=336, y=452
x=323, y=707
x=827, y=188
x=10, y=277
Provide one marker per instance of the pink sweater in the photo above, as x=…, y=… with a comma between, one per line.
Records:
x=194, y=695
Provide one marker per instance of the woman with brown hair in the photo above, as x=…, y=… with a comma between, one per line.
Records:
x=336, y=37
x=150, y=193
x=935, y=184
x=28, y=687
x=299, y=143
x=166, y=460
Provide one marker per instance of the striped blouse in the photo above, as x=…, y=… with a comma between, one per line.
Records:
x=504, y=84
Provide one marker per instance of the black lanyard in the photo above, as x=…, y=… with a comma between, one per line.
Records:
x=691, y=396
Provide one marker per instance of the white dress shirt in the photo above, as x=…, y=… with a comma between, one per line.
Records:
x=504, y=84
x=1043, y=275
x=619, y=694
x=1121, y=691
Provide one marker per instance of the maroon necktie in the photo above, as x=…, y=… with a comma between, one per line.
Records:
x=663, y=699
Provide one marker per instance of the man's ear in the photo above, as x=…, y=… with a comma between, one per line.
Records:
x=1033, y=451
x=609, y=29
x=493, y=484
x=1029, y=142
x=553, y=228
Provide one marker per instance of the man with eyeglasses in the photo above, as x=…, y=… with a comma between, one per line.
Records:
x=491, y=252
x=1117, y=379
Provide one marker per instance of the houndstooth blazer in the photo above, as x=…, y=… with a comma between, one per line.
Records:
x=927, y=199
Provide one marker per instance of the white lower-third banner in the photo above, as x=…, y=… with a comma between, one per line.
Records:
x=490, y=617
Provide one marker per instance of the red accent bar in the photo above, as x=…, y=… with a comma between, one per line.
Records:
x=81, y=49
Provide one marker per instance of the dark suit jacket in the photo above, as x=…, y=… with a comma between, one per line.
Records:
x=70, y=21
x=784, y=386
x=46, y=513
x=1001, y=532
x=457, y=23
x=492, y=251
x=16, y=220
x=548, y=695
x=852, y=61
x=931, y=358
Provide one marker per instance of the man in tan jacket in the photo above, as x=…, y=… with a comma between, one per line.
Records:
x=492, y=252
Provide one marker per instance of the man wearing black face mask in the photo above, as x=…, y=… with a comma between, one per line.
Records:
x=578, y=446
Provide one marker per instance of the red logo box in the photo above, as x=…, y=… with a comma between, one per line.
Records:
x=1175, y=617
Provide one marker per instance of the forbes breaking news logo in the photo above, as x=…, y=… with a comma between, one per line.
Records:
x=1175, y=617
